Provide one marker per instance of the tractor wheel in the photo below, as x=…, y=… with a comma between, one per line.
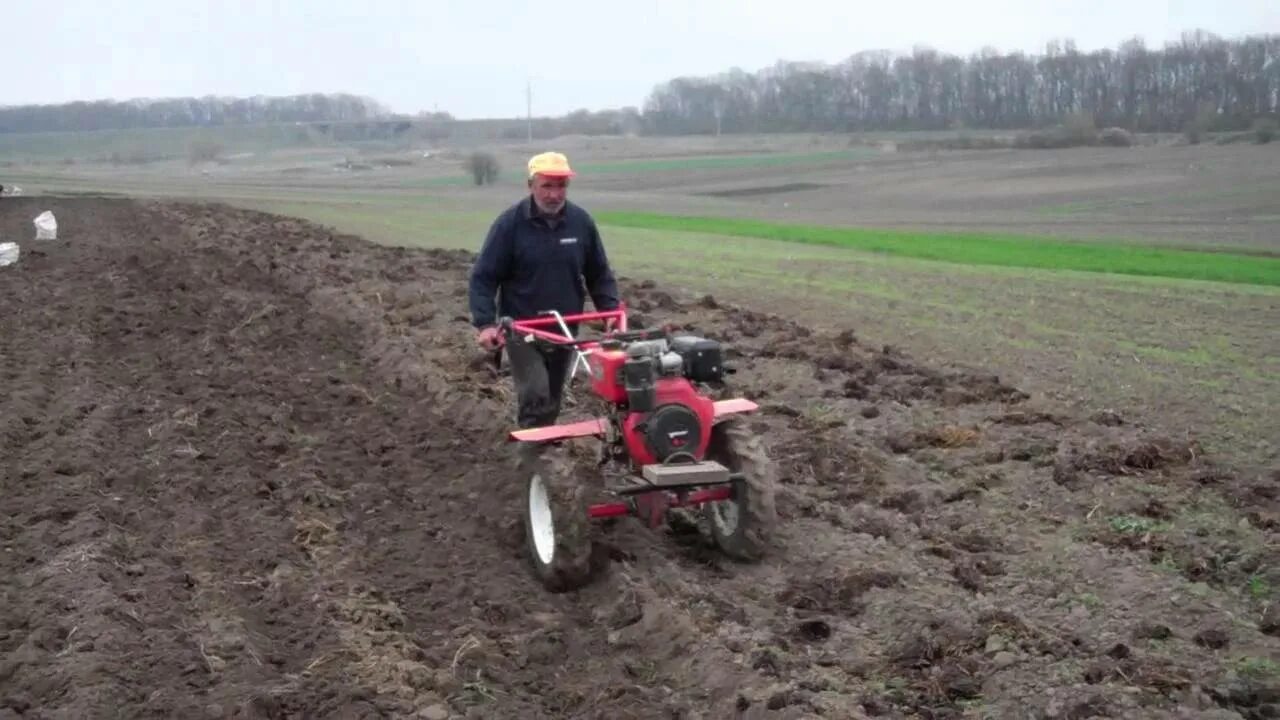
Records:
x=557, y=528
x=741, y=525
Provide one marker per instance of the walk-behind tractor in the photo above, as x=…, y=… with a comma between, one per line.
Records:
x=666, y=444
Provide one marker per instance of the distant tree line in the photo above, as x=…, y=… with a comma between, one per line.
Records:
x=1200, y=83
x=86, y=116
x=1204, y=79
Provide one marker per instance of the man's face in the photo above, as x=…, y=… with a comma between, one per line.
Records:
x=549, y=192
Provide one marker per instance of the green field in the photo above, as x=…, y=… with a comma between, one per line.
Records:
x=974, y=249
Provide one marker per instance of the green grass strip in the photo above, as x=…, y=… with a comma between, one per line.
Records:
x=983, y=249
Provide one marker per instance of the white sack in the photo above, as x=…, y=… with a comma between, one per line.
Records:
x=46, y=226
x=8, y=253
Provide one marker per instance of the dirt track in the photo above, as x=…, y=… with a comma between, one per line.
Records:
x=252, y=469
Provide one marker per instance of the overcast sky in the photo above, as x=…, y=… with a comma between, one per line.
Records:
x=472, y=57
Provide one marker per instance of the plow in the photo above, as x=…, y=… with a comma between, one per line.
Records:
x=663, y=443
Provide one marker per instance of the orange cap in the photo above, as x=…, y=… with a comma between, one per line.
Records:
x=551, y=164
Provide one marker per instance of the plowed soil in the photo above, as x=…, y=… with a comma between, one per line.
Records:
x=255, y=469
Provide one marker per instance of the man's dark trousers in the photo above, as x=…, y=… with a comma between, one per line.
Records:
x=539, y=373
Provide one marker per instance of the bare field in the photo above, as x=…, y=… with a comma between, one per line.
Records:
x=252, y=470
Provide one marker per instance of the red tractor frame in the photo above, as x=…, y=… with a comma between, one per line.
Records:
x=666, y=444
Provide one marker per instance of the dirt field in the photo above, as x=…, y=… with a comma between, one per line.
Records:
x=254, y=469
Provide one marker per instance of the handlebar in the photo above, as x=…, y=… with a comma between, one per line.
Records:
x=534, y=326
x=582, y=347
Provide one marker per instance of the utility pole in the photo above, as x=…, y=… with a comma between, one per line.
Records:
x=528, y=98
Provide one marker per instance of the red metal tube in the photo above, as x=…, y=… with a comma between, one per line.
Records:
x=607, y=510
x=545, y=335
x=698, y=497
x=533, y=326
x=539, y=321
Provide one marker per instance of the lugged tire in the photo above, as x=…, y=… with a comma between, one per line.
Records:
x=568, y=566
x=737, y=448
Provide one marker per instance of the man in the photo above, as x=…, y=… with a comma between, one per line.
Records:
x=536, y=257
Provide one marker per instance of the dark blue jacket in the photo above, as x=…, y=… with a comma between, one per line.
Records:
x=532, y=263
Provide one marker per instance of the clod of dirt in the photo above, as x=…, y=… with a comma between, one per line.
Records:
x=989, y=565
x=967, y=574
x=766, y=661
x=870, y=412
x=1264, y=520
x=1125, y=458
x=875, y=706
x=1265, y=491
x=1099, y=672
x=1154, y=509
x=1157, y=453
x=1252, y=696
x=927, y=643
x=627, y=611
x=960, y=680
x=975, y=541
x=863, y=518
x=1269, y=623
x=885, y=360
x=709, y=302
x=1107, y=418
x=903, y=441
x=840, y=361
x=857, y=390
x=1028, y=450
x=778, y=701
x=908, y=502
x=1209, y=475
x=1213, y=638
x=966, y=492
x=1025, y=418
x=813, y=630
x=1092, y=706
x=836, y=594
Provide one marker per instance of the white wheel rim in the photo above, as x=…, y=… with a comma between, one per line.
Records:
x=540, y=523
x=725, y=515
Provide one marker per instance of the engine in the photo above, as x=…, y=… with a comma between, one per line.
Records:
x=653, y=382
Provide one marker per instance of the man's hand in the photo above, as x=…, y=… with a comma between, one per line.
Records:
x=490, y=338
